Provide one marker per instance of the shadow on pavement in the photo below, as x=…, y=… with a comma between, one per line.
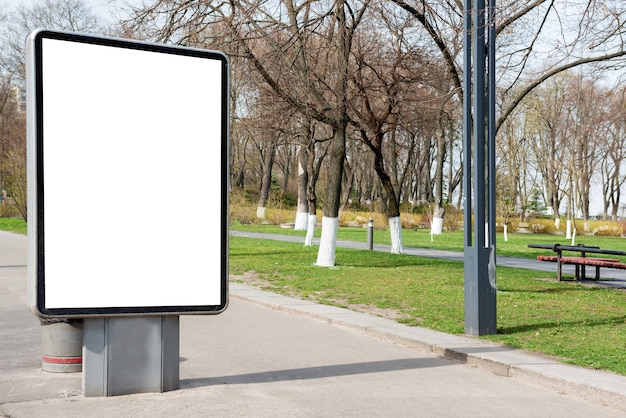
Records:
x=320, y=372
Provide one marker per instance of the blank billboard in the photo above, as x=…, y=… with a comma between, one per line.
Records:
x=127, y=176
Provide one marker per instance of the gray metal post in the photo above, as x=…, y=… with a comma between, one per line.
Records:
x=467, y=125
x=491, y=128
x=479, y=256
x=370, y=234
x=126, y=355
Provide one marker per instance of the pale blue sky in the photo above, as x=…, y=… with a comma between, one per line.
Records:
x=100, y=7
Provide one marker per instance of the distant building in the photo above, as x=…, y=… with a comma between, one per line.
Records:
x=20, y=98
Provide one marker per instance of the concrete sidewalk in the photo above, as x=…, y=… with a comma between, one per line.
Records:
x=274, y=356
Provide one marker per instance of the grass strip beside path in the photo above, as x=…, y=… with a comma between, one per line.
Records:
x=16, y=225
x=580, y=325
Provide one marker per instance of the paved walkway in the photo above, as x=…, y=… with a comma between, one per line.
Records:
x=273, y=356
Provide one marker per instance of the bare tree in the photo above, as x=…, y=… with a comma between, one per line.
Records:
x=67, y=15
x=377, y=80
x=613, y=153
x=16, y=24
x=589, y=117
x=400, y=109
x=12, y=147
x=545, y=112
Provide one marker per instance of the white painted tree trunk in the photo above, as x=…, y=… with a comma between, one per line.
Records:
x=436, y=227
x=310, y=231
x=395, y=231
x=302, y=211
x=557, y=223
x=328, y=242
x=260, y=212
x=302, y=219
x=568, y=229
x=506, y=232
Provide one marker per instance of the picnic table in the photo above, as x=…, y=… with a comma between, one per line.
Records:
x=581, y=261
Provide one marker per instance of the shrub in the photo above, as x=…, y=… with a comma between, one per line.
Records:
x=606, y=228
x=541, y=225
x=8, y=211
x=453, y=218
x=351, y=218
x=279, y=216
x=409, y=220
x=243, y=214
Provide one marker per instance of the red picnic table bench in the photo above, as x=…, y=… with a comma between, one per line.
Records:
x=581, y=261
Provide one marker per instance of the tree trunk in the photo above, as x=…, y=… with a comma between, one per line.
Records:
x=393, y=206
x=311, y=196
x=266, y=179
x=395, y=232
x=440, y=161
x=330, y=219
x=302, y=211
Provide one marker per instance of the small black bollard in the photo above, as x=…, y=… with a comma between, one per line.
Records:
x=370, y=234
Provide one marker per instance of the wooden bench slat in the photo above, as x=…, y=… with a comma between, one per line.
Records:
x=601, y=263
x=581, y=262
x=577, y=260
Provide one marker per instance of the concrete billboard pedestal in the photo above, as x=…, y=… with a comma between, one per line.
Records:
x=126, y=355
x=61, y=343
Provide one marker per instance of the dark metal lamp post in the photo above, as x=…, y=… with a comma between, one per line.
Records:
x=479, y=167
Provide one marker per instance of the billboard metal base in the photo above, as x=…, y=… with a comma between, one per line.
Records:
x=126, y=355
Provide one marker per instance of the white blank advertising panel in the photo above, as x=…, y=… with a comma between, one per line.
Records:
x=128, y=154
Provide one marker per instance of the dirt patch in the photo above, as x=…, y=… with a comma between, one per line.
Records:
x=373, y=310
x=251, y=278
